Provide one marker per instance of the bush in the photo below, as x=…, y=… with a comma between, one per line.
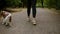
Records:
x=14, y=3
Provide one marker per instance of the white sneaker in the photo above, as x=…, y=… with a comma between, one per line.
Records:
x=34, y=21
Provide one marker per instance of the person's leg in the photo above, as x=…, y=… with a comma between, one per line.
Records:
x=28, y=9
x=34, y=10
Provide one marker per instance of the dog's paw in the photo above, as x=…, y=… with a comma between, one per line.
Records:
x=7, y=24
x=4, y=23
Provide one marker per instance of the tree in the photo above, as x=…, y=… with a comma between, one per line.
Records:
x=57, y=4
x=24, y=2
x=42, y=3
x=2, y=4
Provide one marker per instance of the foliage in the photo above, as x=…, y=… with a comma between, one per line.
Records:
x=23, y=3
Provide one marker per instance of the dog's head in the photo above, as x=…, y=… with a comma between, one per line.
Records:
x=2, y=12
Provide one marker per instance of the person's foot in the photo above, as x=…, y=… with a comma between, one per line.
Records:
x=28, y=19
x=34, y=21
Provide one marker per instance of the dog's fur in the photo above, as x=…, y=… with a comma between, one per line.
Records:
x=6, y=15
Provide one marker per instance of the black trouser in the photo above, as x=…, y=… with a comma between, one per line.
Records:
x=31, y=3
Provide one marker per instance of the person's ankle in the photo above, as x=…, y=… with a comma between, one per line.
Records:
x=34, y=18
x=28, y=16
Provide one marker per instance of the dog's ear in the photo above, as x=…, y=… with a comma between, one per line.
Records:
x=1, y=13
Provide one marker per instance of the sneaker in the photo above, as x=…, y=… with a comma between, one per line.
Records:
x=34, y=21
x=28, y=19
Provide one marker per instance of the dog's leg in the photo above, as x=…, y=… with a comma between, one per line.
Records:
x=3, y=21
x=10, y=19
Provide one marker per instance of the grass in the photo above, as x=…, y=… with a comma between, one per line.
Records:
x=12, y=10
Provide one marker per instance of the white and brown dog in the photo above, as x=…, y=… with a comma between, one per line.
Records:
x=6, y=16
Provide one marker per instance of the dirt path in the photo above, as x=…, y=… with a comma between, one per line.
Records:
x=48, y=22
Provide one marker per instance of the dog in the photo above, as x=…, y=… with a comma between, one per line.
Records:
x=6, y=17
